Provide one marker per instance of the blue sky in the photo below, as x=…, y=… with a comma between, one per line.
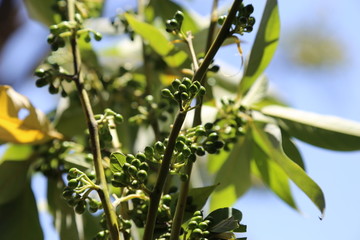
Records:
x=329, y=91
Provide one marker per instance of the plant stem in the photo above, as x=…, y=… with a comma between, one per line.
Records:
x=210, y=38
x=103, y=192
x=179, y=120
x=161, y=179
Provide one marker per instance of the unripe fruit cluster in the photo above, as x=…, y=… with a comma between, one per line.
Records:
x=51, y=77
x=107, y=121
x=134, y=172
x=198, y=227
x=184, y=91
x=243, y=21
x=73, y=197
x=174, y=25
x=60, y=32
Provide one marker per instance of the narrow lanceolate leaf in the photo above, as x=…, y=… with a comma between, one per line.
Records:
x=234, y=175
x=270, y=143
x=264, y=46
x=34, y=128
x=272, y=175
x=157, y=41
x=323, y=131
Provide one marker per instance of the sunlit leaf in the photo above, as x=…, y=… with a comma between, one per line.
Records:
x=291, y=149
x=256, y=93
x=234, y=175
x=323, y=131
x=157, y=41
x=264, y=46
x=16, y=153
x=34, y=128
x=19, y=217
x=270, y=143
x=272, y=175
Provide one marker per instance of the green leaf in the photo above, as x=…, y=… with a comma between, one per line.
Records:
x=323, y=131
x=13, y=175
x=291, y=150
x=117, y=161
x=157, y=41
x=224, y=219
x=234, y=175
x=272, y=175
x=257, y=92
x=40, y=10
x=16, y=153
x=19, y=217
x=264, y=46
x=270, y=143
x=196, y=199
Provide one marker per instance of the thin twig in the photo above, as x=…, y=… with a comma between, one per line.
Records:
x=103, y=192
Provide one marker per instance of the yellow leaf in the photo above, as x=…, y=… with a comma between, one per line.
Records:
x=34, y=128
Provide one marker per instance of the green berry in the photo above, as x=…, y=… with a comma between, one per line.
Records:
x=184, y=96
x=182, y=88
x=186, y=151
x=159, y=147
x=97, y=36
x=192, y=157
x=73, y=183
x=40, y=72
x=41, y=82
x=198, y=213
x=141, y=175
x=129, y=158
x=144, y=166
x=249, y=9
x=187, y=82
x=135, y=184
x=176, y=83
x=67, y=194
x=200, y=151
x=141, y=156
x=149, y=152
x=135, y=162
x=80, y=207
x=118, y=118
x=166, y=200
x=167, y=93
x=133, y=170
x=126, y=224
x=179, y=146
x=203, y=225
x=192, y=225
x=208, y=126
x=202, y=91
x=193, y=89
x=179, y=16
x=196, y=233
x=53, y=89
x=213, y=136
x=221, y=19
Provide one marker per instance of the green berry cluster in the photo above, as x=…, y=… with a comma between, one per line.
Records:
x=51, y=159
x=174, y=25
x=198, y=227
x=53, y=77
x=77, y=192
x=243, y=21
x=59, y=33
x=120, y=21
x=184, y=91
x=134, y=173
